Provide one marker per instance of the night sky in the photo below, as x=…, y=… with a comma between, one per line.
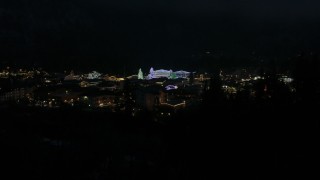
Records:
x=113, y=35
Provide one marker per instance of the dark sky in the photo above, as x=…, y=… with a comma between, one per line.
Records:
x=113, y=34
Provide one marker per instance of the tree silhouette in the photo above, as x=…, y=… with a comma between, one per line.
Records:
x=191, y=78
x=128, y=90
x=214, y=94
x=306, y=78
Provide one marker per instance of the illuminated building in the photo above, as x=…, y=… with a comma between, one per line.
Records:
x=113, y=78
x=182, y=74
x=159, y=73
x=89, y=83
x=286, y=79
x=17, y=94
x=162, y=73
x=72, y=77
x=171, y=87
x=169, y=107
x=94, y=75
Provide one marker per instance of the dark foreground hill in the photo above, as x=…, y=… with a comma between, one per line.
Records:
x=221, y=142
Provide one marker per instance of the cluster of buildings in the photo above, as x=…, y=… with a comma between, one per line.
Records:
x=20, y=73
x=93, y=90
x=162, y=91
